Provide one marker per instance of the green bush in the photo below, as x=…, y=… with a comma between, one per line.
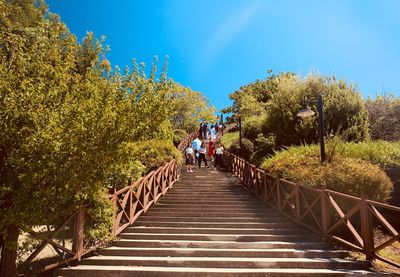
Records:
x=154, y=153
x=179, y=135
x=245, y=152
x=229, y=138
x=252, y=127
x=348, y=175
x=263, y=147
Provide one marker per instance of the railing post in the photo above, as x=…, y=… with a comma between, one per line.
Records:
x=278, y=194
x=115, y=226
x=325, y=214
x=367, y=230
x=297, y=191
x=78, y=235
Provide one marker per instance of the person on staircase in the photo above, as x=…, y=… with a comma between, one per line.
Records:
x=211, y=149
x=202, y=155
x=205, y=129
x=212, y=133
x=189, y=155
x=196, y=143
x=201, y=131
x=219, y=151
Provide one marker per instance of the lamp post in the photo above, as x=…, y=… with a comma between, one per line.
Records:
x=307, y=113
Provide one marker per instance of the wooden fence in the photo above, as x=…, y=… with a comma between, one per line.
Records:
x=360, y=224
x=68, y=239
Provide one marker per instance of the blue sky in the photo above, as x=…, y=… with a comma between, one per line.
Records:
x=215, y=46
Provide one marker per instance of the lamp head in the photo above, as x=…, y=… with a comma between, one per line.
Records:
x=305, y=113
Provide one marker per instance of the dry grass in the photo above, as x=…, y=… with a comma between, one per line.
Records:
x=391, y=252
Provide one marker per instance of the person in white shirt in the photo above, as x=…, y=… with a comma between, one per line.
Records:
x=196, y=143
x=189, y=154
x=219, y=151
x=202, y=155
x=212, y=133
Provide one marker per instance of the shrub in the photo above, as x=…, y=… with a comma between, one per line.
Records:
x=179, y=135
x=229, y=138
x=348, y=175
x=252, y=127
x=264, y=146
x=154, y=153
x=384, y=117
x=245, y=152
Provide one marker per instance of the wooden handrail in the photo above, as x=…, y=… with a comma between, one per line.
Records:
x=128, y=204
x=328, y=216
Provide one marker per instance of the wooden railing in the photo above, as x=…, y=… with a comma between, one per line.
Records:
x=363, y=225
x=130, y=202
x=68, y=242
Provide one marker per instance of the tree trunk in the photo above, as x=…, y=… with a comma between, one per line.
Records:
x=8, y=266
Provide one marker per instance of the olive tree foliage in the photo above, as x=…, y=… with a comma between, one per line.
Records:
x=384, y=117
x=67, y=120
x=61, y=122
x=189, y=108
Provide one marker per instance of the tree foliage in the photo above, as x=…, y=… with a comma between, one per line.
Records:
x=280, y=97
x=384, y=117
x=344, y=110
x=68, y=120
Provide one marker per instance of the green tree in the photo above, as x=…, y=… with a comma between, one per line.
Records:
x=68, y=122
x=189, y=108
x=384, y=117
x=344, y=110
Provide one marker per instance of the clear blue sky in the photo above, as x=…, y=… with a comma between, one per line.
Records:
x=215, y=46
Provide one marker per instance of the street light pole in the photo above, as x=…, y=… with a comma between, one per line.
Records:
x=307, y=113
x=321, y=127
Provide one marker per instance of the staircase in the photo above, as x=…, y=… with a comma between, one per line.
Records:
x=209, y=225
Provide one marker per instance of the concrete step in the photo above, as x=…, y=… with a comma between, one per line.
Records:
x=224, y=209
x=235, y=231
x=199, y=213
x=158, y=243
x=215, y=237
x=140, y=271
x=223, y=252
x=241, y=205
x=253, y=219
x=225, y=262
x=195, y=196
x=269, y=225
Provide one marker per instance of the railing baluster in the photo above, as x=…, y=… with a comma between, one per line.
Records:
x=325, y=214
x=367, y=230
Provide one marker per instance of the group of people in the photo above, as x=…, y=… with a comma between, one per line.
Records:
x=196, y=152
x=209, y=131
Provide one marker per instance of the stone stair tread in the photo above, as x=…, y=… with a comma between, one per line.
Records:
x=251, y=259
x=236, y=262
x=190, y=271
x=272, y=250
x=220, y=244
x=212, y=237
x=222, y=252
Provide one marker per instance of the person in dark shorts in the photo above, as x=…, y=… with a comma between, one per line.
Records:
x=202, y=155
x=189, y=154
